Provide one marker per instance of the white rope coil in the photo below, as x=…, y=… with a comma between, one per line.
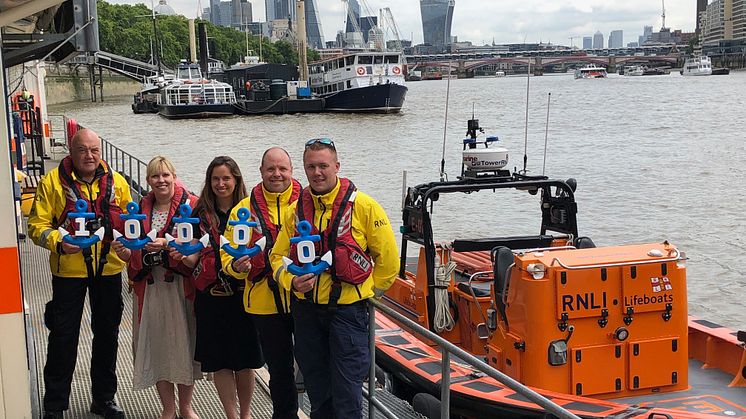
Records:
x=443, y=320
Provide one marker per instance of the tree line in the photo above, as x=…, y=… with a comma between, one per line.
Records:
x=127, y=30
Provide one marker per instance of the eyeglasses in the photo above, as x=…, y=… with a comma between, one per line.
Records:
x=323, y=141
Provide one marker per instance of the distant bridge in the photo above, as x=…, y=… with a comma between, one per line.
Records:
x=471, y=65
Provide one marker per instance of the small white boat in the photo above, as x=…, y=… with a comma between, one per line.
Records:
x=635, y=70
x=697, y=66
x=590, y=72
x=500, y=74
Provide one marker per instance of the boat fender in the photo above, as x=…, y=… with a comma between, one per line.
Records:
x=426, y=405
x=82, y=236
x=242, y=237
x=307, y=253
x=133, y=230
x=185, y=233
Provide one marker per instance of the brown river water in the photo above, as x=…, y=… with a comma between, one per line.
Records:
x=656, y=158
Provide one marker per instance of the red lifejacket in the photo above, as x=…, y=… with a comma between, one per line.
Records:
x=181, y=195
x=351, y=264
x=104, y=206
x=206, y=272
x=260, y=267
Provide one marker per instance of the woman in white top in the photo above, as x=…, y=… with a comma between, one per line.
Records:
x=164, y=323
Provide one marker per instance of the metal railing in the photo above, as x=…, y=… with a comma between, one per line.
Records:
x=447, y=348
x=133, y=169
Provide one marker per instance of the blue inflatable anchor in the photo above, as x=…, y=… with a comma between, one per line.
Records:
x=307, y=253
x=242, y=236
x=185, y=233
x=131, y=238
x=82, y=237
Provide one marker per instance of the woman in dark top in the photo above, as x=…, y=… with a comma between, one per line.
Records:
x=227, y=343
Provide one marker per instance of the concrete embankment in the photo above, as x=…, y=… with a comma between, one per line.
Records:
x=72, y=83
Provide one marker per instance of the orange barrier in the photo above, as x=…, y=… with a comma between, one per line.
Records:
x=10, y=286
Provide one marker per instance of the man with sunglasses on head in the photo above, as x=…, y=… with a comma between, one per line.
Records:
x=329, y=311
x=267, y=303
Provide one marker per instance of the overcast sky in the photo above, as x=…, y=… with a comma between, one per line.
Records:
x=507, y=21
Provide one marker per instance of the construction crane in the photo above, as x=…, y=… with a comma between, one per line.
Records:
x=572, y=38
x=388, y=18
x=355, y=24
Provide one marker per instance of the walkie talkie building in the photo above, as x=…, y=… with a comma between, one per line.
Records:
x=437, y=16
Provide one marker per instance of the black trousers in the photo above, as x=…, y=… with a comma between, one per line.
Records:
x=62, y=317
x=276, y=338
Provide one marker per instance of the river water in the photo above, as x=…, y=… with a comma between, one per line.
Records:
x=656, y=158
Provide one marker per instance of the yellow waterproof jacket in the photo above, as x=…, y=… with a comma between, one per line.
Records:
x=371, y=230
x=48, y=207
x=258, y=297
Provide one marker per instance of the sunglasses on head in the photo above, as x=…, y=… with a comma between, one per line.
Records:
x=323, y=141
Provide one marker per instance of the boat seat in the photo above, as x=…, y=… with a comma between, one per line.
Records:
x=584, y=242
x=517, y=242
x=481, y=289
x=502, y=258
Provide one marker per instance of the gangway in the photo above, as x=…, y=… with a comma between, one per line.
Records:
x=128, y=67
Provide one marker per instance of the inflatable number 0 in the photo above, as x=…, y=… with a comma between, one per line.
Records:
x=242, y=237
x=132, y=230
x=307, y=253
x=185, y=233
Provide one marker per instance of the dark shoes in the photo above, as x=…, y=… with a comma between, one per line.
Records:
x=107, y=409
x=53, y=414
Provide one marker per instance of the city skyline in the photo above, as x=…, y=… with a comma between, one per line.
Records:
x=509, y=21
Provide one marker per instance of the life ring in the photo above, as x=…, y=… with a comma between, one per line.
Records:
x=360, y=71
x=248, y=85
x=396, y=70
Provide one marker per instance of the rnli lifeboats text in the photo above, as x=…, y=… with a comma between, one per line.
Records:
x=586, y=301
x=641, y=300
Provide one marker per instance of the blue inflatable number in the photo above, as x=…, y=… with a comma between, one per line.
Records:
x=242, y=236
x=81, y=237
x=306, y=252
x=185, y=233
x=132, y=230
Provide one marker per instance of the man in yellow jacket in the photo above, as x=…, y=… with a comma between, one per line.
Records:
x=266, y=303
x=330, y=314
x=75, y=270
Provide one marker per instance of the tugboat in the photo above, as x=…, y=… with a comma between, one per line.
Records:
x=603, y=332
x=191, y=96
x=360, y=82
x=146, y=100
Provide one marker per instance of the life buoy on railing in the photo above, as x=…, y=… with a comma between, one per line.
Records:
x=396, y=70
x=248, y=85
x=360, y=71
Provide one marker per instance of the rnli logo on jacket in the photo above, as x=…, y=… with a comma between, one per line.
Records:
x=360, y=261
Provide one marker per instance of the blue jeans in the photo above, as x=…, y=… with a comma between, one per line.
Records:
x=333, y=354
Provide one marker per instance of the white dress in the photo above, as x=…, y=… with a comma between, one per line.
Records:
x=164, y=336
